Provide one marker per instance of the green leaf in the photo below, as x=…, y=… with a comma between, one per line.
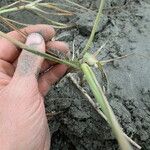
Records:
x=102, y=101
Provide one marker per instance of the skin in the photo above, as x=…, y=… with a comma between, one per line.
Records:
x=23, y=122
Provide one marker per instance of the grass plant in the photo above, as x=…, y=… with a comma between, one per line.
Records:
x=84, y=63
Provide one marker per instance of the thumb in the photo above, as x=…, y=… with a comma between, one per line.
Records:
x=29, y=64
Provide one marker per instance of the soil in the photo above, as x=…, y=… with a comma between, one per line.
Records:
x=126, y=27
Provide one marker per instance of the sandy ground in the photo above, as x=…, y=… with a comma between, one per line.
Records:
x=126, y=26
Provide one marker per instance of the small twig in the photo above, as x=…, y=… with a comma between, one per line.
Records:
x=99, y=50
x=132, y=142
x=103, y=62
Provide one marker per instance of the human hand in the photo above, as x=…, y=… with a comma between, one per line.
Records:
x=23, y=122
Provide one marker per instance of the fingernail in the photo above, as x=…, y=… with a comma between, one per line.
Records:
x=34, y=38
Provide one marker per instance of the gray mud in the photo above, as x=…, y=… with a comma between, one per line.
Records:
x=77, y=126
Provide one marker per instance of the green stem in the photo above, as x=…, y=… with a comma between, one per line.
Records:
x=49, y=20
x=30, y=6
x=12, y=9
x=8, y=6
x=76, y=4
x=37, y=52
x=96, y=23
x=102, y=101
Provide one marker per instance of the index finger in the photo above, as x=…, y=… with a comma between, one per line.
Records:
x=9, y=52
